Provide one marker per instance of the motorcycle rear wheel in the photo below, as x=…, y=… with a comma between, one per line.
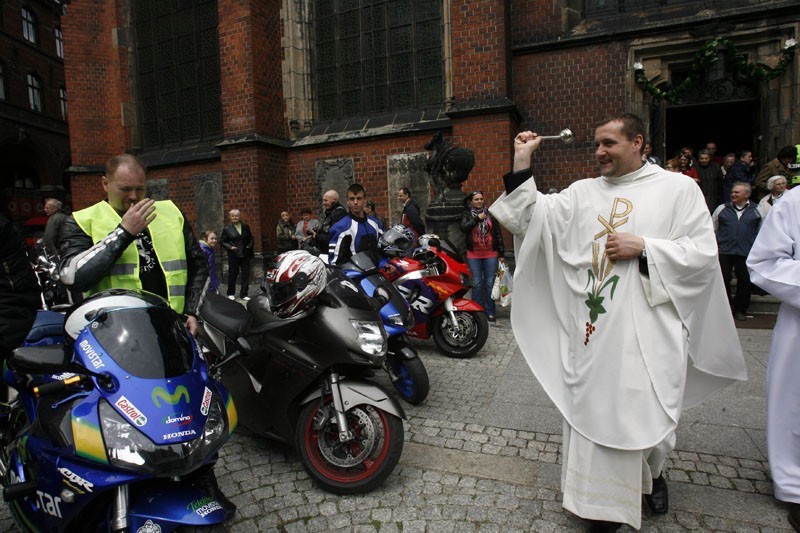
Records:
x=466, y=338
x=412, y=379
x=354, y=467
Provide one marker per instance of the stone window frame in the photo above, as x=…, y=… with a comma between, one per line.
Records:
x=35, y=101
x=298, y=63
x=30, y=25
x=59, y=36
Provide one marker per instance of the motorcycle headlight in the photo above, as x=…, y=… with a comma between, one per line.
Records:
x=130, y=449
x=371, y=337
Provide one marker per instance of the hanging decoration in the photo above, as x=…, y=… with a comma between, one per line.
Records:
x=735, y=62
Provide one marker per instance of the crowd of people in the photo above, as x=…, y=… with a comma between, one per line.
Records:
x=658, y=314
x=738, y=194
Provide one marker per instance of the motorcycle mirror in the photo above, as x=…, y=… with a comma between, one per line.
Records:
x=382, y=295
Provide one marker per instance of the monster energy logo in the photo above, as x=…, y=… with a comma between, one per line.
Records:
x=172, y=399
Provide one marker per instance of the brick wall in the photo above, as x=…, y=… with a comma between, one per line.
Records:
x=580, y=86
x=480, y=51
x=98, y=74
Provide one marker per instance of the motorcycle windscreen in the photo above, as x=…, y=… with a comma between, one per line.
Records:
x=342, y=292
x=147, y=342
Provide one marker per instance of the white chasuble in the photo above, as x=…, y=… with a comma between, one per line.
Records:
x=618, y=352
x=774, y=264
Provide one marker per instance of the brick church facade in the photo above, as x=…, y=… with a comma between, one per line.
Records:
x=263, y=105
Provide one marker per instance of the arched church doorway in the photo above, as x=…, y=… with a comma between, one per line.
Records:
x=732, y=125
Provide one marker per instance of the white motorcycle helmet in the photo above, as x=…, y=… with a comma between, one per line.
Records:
x=295, y=281
x=424, y=240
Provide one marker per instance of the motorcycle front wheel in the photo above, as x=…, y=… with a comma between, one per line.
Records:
x=358, y=465
x=411, y=378
x=466, y=338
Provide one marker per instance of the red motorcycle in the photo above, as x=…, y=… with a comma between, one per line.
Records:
x=434, y=280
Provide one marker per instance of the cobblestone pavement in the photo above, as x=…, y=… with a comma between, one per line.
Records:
x=483, y=454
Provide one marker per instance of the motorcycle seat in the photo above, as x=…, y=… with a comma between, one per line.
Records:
x=47, y=324
x=228, y=316
x=38, y=359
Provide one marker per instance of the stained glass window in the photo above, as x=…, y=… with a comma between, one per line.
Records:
x=178, y=79
x=374, y=56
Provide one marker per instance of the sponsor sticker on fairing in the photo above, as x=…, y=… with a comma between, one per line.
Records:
x=204, y=506
x=179, y=434
x=149, y=527
x=180, y=420
x=206, y=405
x=130, y=410
x=90, y=354
x=75, y=479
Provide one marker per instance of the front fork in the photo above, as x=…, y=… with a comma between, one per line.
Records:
x=450, y=311
x=345, y=434
x=119, y=509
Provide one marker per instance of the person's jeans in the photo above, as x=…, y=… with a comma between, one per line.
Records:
x=483, y=272
x=235, y=264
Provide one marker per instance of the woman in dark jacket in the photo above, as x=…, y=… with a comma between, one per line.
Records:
x=285, y=232
x=484, y=249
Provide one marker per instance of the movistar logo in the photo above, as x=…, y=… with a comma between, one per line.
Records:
x=172, y=399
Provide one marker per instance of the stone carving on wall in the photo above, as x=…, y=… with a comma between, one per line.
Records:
x=209, y=202
x=336, y=174
x=407, y=170
x=158, y=189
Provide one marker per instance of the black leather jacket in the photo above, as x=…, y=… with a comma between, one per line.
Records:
x=19, y=291
x=84, y=263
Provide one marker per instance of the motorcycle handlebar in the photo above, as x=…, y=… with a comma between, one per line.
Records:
x=57, y=386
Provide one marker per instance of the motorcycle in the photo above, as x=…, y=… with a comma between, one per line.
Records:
x=402, y=363
x=434, y=280
x=107, y=435
x=298, y=378
x=54, y=296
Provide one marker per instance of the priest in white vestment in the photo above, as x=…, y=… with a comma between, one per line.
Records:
x=620, y=311
x=774, y=264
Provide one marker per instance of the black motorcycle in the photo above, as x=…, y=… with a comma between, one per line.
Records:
x=54, y=295
x=301, y=380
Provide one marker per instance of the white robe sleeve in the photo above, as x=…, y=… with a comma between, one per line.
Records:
x=684, y=270
x=774, y=260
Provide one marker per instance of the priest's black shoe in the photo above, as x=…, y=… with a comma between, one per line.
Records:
x=794, y=516
x=601, y=526
x=658, y=500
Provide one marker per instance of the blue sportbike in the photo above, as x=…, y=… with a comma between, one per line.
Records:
x=403, y=364
x=114, y=430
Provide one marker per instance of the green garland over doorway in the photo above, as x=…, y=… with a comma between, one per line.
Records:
x=735, y=62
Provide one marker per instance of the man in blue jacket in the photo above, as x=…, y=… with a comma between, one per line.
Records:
x=737, y=223
x=355, y=232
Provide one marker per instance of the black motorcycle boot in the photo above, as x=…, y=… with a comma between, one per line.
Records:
x=205, y=480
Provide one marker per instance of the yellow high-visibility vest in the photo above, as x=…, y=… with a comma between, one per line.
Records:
x=166, y=232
